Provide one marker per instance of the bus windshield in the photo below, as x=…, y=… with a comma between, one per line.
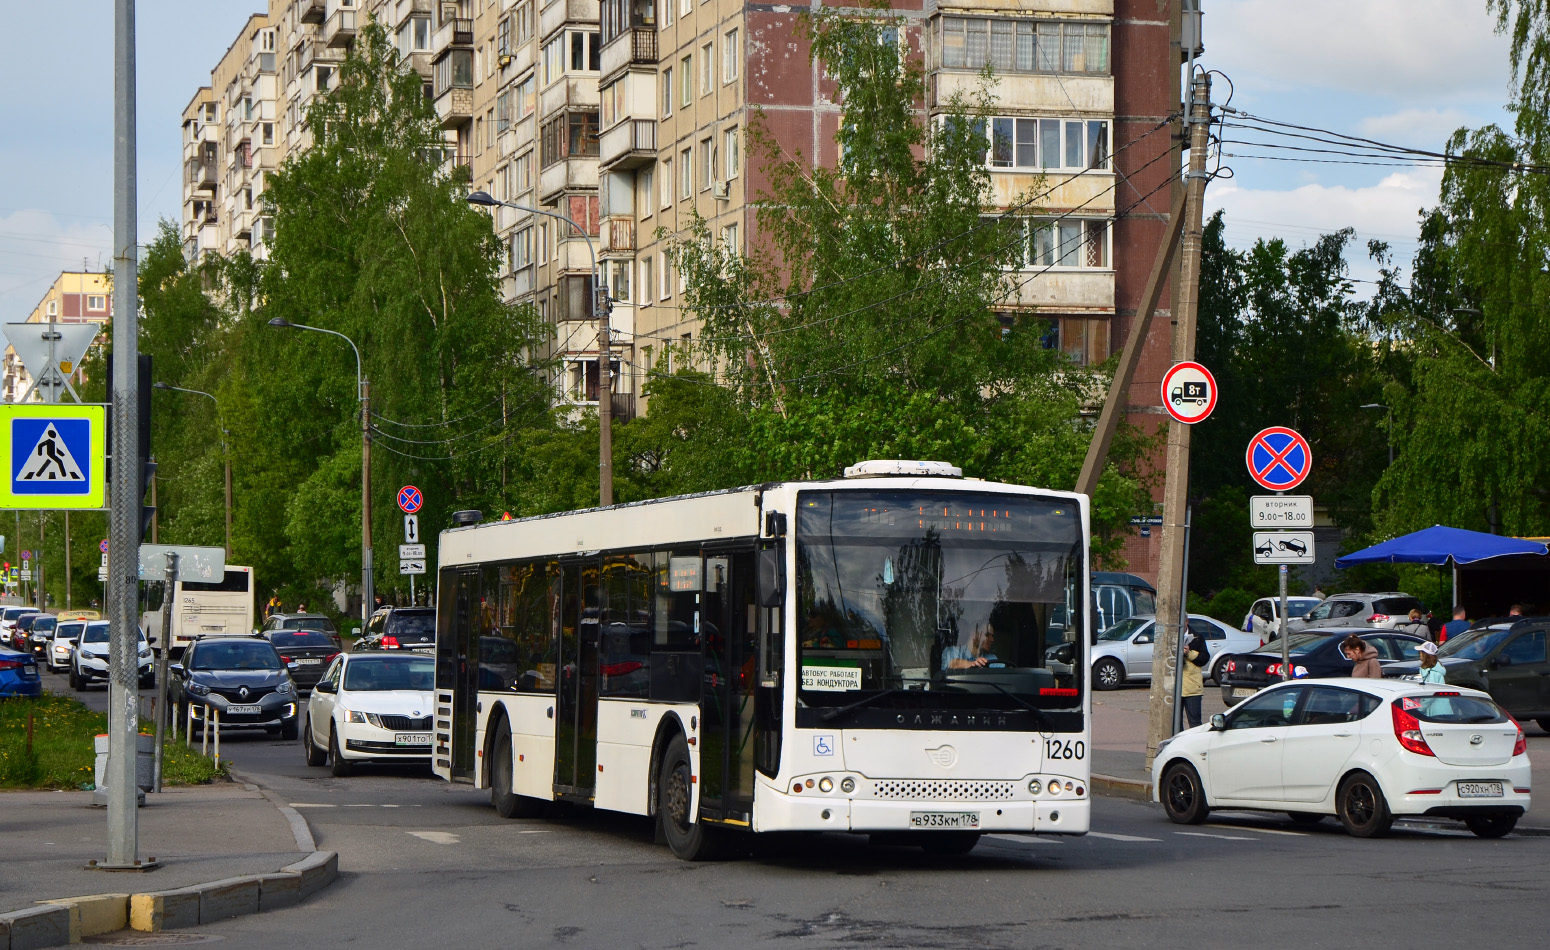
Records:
x=951, y=593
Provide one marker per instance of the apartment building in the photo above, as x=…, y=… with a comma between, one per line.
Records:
x=75, y=297
x=627, y=115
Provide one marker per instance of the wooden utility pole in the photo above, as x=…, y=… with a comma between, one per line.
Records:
x=1170, y=592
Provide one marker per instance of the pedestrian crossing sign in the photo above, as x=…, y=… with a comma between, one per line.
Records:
x=56, y=456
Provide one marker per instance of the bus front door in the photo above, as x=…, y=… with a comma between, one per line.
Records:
x=730, y=641
x=575, y=727
x=457, y=666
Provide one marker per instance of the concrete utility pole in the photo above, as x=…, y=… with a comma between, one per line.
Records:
x=368, y=570
x=124, y=535
x=1170, y=593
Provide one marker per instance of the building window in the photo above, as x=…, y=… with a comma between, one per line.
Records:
x=707, y=164
x=209, y=112
x=479, y=133
x=667, y=267
x=95, y=302
x=503, y=111
x=1062, y=242
x=454, y=71
x=523, y=23
x=729, y=241
x=732, y=162
x=729, y=56
x=1077, y=144
x=667, y=15
x=525, y=97
x=568, y=135
x=686, y=81
x=521, y=248
x=685, y=173
x=647, y=194
x=1024, y=46
x=685, y=7
x=647, y=280
x=522, y=173
x=667, y=92
x=503, y=36
x=619, y=287
x=266, y=133
x=707, y=68
x=667, y=183
x=542, y=237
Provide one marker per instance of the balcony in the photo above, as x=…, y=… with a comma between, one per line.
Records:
x=315, y=52
x=566, y=175
x=455, y=106
x=629, y=144
x=559, y=12
x=634, y=47
x=453, y=33
x=310, y=11
x=618, y=235
x=203, y=175
x=339, y=31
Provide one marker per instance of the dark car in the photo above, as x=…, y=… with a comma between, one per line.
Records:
x=306, y=653
x=1507, y=661
x=1313, y=653
x=300, y=622
x=19, y=674
x=242, y=679
x=400, y=628
x=40, y=635
x=22, y=629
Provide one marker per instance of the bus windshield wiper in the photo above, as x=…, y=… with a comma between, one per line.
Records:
x=1039, y=715
x=834, y=714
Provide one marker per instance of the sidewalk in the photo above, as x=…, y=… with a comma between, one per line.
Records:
x=200, y=834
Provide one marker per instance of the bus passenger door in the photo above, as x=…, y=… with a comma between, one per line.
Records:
x=575, y=733
x=457, y=673
x=727, y=699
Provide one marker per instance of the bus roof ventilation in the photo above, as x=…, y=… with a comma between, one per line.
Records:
x=875, y=468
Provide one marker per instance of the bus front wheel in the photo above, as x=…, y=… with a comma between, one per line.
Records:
x=508, y=804
x=689, y=839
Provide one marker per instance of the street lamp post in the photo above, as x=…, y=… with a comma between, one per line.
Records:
x=363, y=390
x=225, y=449
x=1379, y=405
x=601, y=307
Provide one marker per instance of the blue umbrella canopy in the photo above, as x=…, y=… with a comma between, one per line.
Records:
x=1439, y=545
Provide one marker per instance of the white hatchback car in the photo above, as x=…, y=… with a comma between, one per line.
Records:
x=65, y=635
x=1365, y=750
x=1123, y=652
x=371, y=706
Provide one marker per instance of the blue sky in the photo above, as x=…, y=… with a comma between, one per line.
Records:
x=1404, y=71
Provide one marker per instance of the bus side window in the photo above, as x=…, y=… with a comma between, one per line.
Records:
x=676, y=667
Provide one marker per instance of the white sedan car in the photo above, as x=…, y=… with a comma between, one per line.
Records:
x=1123, y=652
x=65, y=634
x=1365, y=750
x=371, y=707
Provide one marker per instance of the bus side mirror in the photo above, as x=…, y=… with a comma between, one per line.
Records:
x=771, y=574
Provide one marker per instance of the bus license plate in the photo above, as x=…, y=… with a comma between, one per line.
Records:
x=1239, y=692
x=1480, y=789
x=412, y=738
x=944, y=819
x=243, y=710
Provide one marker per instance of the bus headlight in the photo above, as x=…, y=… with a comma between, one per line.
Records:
x=826, y=784
x=847, y=785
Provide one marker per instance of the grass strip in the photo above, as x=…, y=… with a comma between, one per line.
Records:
x=63, y=747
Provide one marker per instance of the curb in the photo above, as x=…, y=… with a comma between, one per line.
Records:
x=58, y=922
x=299, y=829
x=1112, y=787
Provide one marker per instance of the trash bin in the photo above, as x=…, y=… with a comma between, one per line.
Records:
x=145, y=767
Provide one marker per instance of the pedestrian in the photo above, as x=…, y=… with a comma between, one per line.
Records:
x=1320, y=594
x=1415, y=624
x=301, y=607
x=273, y=607
x=1196, y=656
x=1516, y=610
x=1431, y=670
x=1456, y=626
x=1364, y=655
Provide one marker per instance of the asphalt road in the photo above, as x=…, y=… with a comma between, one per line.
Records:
x=427, y=864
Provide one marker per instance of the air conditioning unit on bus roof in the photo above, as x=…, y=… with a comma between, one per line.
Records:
x=874, y=468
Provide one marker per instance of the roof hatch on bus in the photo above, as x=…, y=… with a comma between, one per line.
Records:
x=875, y=468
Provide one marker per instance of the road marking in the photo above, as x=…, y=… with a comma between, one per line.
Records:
x=311, y=805
x=1110, y=837
x=1202, y=834
x=1260, y=831
x=544, y=832
x=361, y=805
x=436, y=837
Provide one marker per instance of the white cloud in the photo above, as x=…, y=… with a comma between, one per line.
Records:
x=1410, y=50
x=1420, y=128
x=34, y=247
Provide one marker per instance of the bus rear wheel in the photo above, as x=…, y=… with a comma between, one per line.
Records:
x=508, y=804
x=688, y=839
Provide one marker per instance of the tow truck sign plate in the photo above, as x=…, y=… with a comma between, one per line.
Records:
x=1283, y=547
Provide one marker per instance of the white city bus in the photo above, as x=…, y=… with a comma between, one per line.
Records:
x=866, y=654
x=206, y=608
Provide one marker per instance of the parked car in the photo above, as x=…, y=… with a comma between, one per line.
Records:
x=1364, y=750
x=400, y=628
x=22, y=628
x=1123, y=653
x=1348, y=610
x=18, y=674
x=66, y=633
x=1264, y=616
x=1507, y=661
x=371, y=706
x=306, y=653
x=242, y=678
x=89, y=659
x=1314, y=653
